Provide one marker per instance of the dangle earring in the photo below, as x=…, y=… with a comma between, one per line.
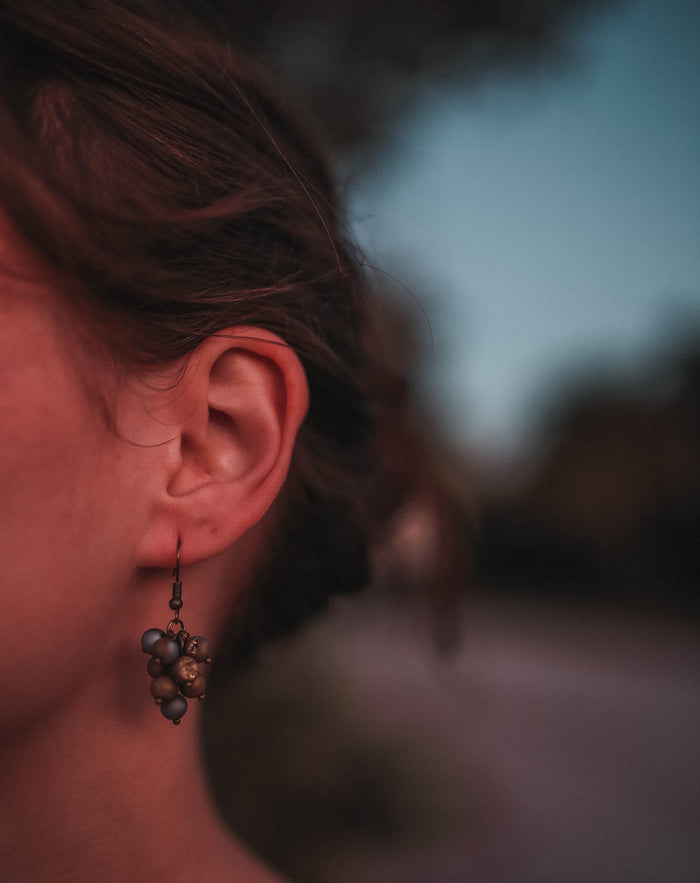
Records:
x=174, y=657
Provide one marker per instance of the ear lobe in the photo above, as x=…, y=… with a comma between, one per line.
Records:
x=245, y=395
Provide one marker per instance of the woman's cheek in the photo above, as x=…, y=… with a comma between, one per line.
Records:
x=52, y=496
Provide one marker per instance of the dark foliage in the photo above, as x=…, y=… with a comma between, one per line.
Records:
x=356, y=64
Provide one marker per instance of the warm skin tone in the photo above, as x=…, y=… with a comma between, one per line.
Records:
x=95, y=783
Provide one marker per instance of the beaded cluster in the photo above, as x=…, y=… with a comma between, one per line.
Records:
x=174, y=659
x=173, y=667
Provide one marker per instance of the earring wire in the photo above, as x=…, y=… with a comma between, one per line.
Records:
x=175, y=602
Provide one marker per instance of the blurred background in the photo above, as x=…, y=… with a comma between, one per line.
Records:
x=524, y=176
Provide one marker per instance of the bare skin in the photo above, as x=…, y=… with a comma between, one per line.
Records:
x=104, y=788
x=95, y=783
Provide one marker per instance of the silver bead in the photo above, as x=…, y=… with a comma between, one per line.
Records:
x=149, y=638
x=174, y=709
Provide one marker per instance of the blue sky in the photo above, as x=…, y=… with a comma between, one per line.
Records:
x=549, y=222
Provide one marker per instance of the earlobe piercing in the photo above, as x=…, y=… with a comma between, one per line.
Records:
x=174, y=658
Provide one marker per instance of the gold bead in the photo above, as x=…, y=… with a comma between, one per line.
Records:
x=198, y=648
x=185, y=670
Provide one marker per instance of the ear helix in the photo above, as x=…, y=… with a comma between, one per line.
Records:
x=174, y=658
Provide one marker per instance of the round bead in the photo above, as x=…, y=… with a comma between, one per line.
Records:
x=149, y=638
x=198, y=648
x=155, y=667
x=163, y=689
x=194, y=689
x=166, y=650
x=174, y=709
x=175, y=603
x=185, y=670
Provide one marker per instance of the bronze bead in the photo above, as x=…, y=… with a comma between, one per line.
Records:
x=155, y=667
x=166, y=649
x=194, y=689
x=198, y=648
x=163, y=689
x=185, y=670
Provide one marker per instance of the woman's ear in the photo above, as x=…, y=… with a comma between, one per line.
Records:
x=236, y=413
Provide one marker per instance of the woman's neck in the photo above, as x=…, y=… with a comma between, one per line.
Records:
x=99, y=790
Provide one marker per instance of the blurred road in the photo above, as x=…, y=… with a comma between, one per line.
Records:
x=570, y=743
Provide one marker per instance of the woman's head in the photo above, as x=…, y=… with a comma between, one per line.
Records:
x=170, y=198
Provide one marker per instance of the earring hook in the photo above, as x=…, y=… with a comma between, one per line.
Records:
x=176, y=600
x=176, y=569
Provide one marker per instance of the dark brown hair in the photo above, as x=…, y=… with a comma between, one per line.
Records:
x=159, y=174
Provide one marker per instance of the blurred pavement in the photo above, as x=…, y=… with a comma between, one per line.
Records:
x=572, y=740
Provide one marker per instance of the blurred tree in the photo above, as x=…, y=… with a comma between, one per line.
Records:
x=612, y=515
x=355, y=63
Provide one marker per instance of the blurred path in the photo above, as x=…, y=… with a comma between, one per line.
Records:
x=573, y=742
